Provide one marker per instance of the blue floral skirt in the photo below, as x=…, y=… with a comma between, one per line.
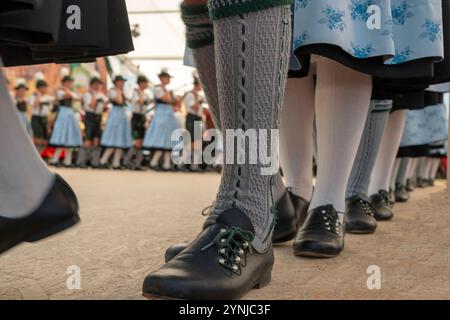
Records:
x=159, y=134
x=345, y=30
x=117, y=133
x=425, y=126
x=66, y=131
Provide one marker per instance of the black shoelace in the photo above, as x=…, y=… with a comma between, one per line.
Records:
x=331, y=220
x=367, y=207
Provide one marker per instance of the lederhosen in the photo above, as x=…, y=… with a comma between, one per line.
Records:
x=138, y=124
x=40, y=124
x=93, y=123
x=191, y=119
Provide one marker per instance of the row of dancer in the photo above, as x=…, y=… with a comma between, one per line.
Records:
x=155, y=115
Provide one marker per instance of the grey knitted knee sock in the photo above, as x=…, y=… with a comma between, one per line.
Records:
x=359, y=181
x=200, y=39
x=252, y=53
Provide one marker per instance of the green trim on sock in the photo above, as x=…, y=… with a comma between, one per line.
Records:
x=218, y=11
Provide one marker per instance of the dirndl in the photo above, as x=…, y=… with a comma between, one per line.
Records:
x=159, y=134
x=117, y=133
x=26, y=122
x=410, y=31
x=66, y=131
x=425, y=126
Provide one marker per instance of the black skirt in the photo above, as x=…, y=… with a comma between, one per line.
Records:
x=44, y=35
x=414, y=151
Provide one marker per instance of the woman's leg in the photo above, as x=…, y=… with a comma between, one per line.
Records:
x=156, y=157
x=296, y=145
x=24, y=178
x=107, y=154
x=57, y=155
x=68, y=157
x=117, y=160
x=167, y=160
x=388, y=151
x=342, y=104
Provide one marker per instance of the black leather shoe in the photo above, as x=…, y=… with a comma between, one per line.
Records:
x=322, y=234
x=401, y=195
x=219, y=264
x=360, y=217
x=422, y=183
x=58, y=212
x=391, y=199
x=380, y=202
x=409, y=185
x=301, y=207
x=291, y=212
x=174, y=250
x=431, y=182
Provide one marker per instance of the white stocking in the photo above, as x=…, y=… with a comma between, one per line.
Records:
x=384, y=164
x=342, y=105
x=296, y=145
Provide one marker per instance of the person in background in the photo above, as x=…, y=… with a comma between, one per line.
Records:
x=41, y=103
x=94, y=104
x=193, y=102
x=66, y=133
x=159, y=134
x=117, y=134
x=21, y=103
x=140, y=103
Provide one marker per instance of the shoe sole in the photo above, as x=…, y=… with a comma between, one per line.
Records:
x=53, y=230
x=263, y=282
x=312, y=254
x=285, y=237
x=359, y=231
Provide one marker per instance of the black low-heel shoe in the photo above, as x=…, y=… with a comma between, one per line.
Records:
x=360, y=217
x=58, y=212
x=219, y=264
x=322, y=234
x=409, y=185
x=391, y=199
x=290, y=212
x=380, y=202
x=401, y=194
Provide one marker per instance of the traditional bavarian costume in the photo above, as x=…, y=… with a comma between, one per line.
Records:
x=140, y=103
x=163, y=124
x=193, y=103
x=117, y=133
x=66, y=131
x=93, y=116
x=41, y=108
